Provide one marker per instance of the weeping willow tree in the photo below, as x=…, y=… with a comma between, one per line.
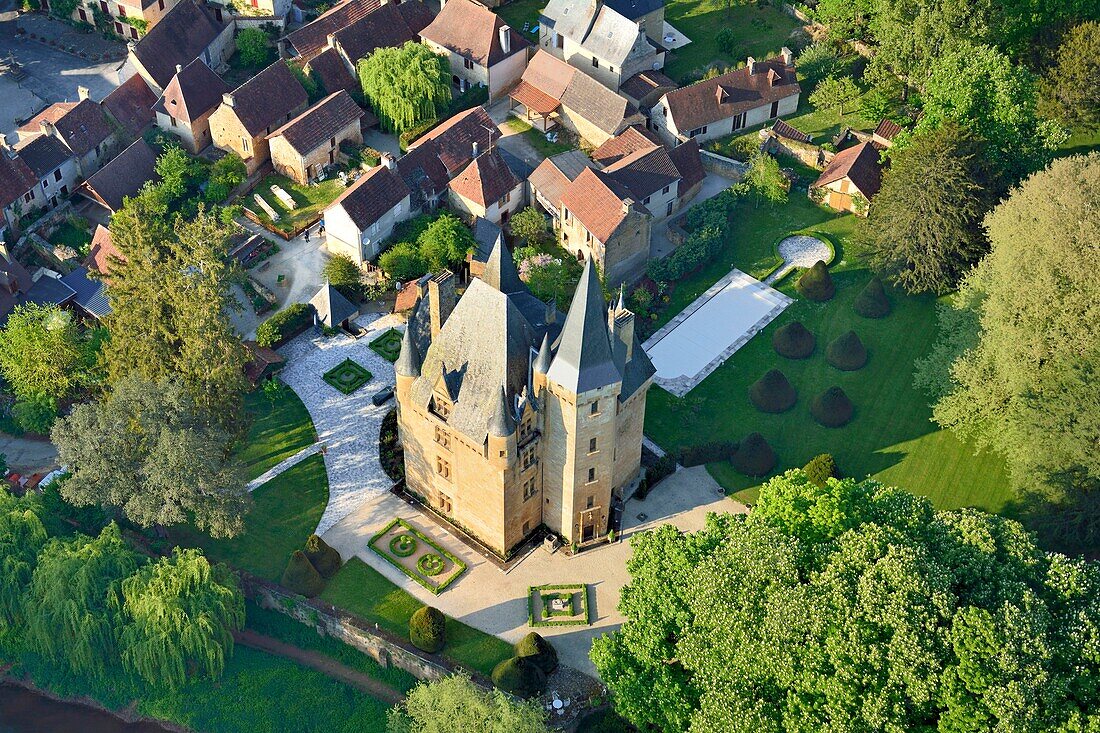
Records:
x=178, y=619
x=405, y=86
x=22, y=536
x=69, y=607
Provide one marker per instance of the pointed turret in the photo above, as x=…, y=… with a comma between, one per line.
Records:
x=408, y=362
x=503, y=423
x=542, y=361
x=584, y=359
x=500, y=270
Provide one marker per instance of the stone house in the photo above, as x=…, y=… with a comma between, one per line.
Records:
x=736, y=100
x=360, y=220
x=514, y=417
x=301, y=148
x=480, y=46
x=128, y=20
x=190, y=30
x=187, y=103
x=851, y=180
x=124, y=176
x=82, y=127
x=487, y=189
x=55, y=167
x=17, y=195
x=250, y=113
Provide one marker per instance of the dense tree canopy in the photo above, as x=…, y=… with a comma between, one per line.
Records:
x=1069, y=90
x=252, y=48
x=445, y=243
x=766, y=180
x=854, y=606
x=457, y=704
x=22, y=537
x=530, y=225
x=344, y=275
x=834, y=92
x=405, y=86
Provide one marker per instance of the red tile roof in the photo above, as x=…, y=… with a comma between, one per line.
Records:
x=131, y=104
x=388, y=26
x=178, y=38
x=782, y=129
x=472, y=31
x=16, y=178
x=81, y=125
x=51, y=114
x=268, y=98
x=887, y=130
x=486, y=180
x=689, y=163
x=457, y=136
x=103, y=254
x=582, y=94
x=320, y=123
x=730, y=94
x=597, y=203
x=859, y=164
x=334, y=75
x=193, y=92
x=645, y=83
x=630, y=140
x=534, y=99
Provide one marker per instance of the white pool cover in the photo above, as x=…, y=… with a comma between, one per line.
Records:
x=711, y=329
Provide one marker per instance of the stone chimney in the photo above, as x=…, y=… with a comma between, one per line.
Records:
x=751, y=63
x=227, y=100
x=474, y=149
x=621, y=325
x=389, y=161
x=786, y=55
x=628, y=206
x=506, y=39
x=47, y=127
x=179, y=68
x=83, y=93
x=442, y=291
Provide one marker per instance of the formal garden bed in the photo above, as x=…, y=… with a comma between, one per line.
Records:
x=417, y=555
x=310, y=203
x=558, y=605
x=348, y=376
x=388, y=345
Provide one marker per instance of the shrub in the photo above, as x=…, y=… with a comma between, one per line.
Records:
x=772, y=392
x=816, y=283
x=35, y=413
x=872, y=301
x=403, y=261
x=538, y=650
x=846, y=352
x=793, y=341
x=832, y=408
x=604, y=721
x=662, y=469
x=323, y=557
x=428, y=629
x=820, y=469
x=252, y=48
x=697, y=455
x=283, y=325
x=727, y=41
x=754, y=457
x=344, y=275
x=301, y=577
x=519, y=676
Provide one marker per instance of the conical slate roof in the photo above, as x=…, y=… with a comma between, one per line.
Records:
x=408, y=362
x=500, y=270
x=542, y=361
x=584, y=359
x=502, y=423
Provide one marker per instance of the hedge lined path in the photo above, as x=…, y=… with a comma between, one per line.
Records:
x=284, y=465
x=321, y=663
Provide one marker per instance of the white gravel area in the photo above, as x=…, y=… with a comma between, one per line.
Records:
x=800, y=250
x=347, y=425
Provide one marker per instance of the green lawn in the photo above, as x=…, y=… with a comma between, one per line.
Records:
x=537, y=139
x=75, y=236
x=279, y=430
x=891, y=438
x=364, y=591
x=311, y=200
x=760, y=32
x=1080, y=142
x=518, y=12
x=286, y=511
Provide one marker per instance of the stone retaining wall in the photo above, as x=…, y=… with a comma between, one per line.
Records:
x=723, y=166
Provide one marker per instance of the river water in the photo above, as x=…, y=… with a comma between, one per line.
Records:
x=23, y=711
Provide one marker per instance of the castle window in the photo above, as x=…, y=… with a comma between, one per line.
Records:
x=591, y=475
x=591, y=501
x=529, y=490
x=442, y=467
x=442, y=437
x=528, y=457
x=594, y=408
x=592, y=445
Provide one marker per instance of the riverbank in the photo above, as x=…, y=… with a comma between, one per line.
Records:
x=26, y=708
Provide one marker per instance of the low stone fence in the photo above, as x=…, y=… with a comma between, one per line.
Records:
x=723, y=166
x=259, y=21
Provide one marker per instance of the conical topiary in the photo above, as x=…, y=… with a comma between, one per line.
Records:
x=428, y=629
x=872, y=301
x=539, y=651
x=820, y=469
x=520, y=676
x=754, y=457
x=832, y=408
x=324, y=558
x=793, y=341
x=772, y=392
x=816, y=283
x=846, y=352
x=301, y=577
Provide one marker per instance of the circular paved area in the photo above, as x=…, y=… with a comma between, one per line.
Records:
x=799, y=250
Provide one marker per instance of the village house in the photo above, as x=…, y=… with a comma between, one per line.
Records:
x=53, y=164
x=645, y=88
x=130, y=105
x=360, y=220
x=250, y=113
x=610, y=40
x=83, y=127
x=191, y=30
x=487, y=189
x=551, y=92
x=15, y=281
x=124, y=176
x=188, y=101
x=850, y=180
x=329, y=69
x=17, y=194
x=128, y=20
x=301, y=148
x=353, y=29
x=481, y=48
x=739, y=99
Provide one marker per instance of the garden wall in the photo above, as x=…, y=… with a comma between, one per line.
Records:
x=723, y=166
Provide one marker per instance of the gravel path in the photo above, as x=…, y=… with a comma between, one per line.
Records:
x=799, y=250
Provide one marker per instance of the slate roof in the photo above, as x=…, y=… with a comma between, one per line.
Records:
x=312, y=38
x=370, y=197
x=332, y=307
x=408, y=360
x=131, y=105
x=123, y=176
x=630, y=140
x=486, y=234
x=472, y=31
x=334, y=75
x=103, y=252
x=689, y=163
x=859, y=164
x=601, y=28
x=193, y=92
x=44, y=154
x=644, y=172
x=47, y=290
x=486, y=180
x=730, y=94
x=268, y=98
x=582, y=94
x=320, y=123
x=16, y=178
x=387, y=26
x=646, y=87
x=179, y=37
x=89, y=294
x=583, y=359
x=634, y=9
x=423, y=173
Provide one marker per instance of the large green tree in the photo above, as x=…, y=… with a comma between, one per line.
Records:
x=178, y=618
x=854, y=606
x=1069, y=90
x=22, y=537
x=1028, y=388
x=923, y=230
x=148, y=452
x=457, y=704
x=445, y=243
x=42, y=352
x=834, y=93
x=405, y=86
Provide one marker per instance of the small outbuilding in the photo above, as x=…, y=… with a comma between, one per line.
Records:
x=333, y=310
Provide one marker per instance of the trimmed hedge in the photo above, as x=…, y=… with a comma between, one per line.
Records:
x=426, y=583
x=872, y=301
x=519, y=676
x=534, y=596
x=847, y=353
x=323, y=557
x=284, y=325
x=816, y=283
x=662, y=469
x=697, y=455
x=820, y=469
x=754, y=456
x=301, y=577
x=538, y=650
x=428, y=629
x=793, y=341
x=832, y=408
x=772, y=392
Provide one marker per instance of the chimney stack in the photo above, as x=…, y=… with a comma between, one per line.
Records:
x=441, y=288
x=786, y=55
x=179, y=68
x=83, y=93
x=227, y=100
x=751, y=63
x=389, y=161
x=474, y=148
x=47, y=127
x=628, y=206
x=506, y=39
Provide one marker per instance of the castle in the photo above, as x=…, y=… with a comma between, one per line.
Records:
x=513, y=416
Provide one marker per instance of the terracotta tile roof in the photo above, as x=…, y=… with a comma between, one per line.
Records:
x=320, y=123
x=456, y=137
x=859, y=164
x=409, y=294
x=388, y=26
x=81, y=125
x=103, y=253
x=179, y=37
x=555, y=174
x=645, y=83
x=312, y=38
x=268, y=98
x=51, y=114
x=630, y=140
x=193, y=92
x=16, y=178
x=689, y=163
x=782, y=129
x=582, y=94
x=644, y=172
x=333, y=74
x=370, y=197
x=731, y=94
x=534, y=99
x=887, y=130
x=472, y=31
x=597, y=202
x=124, y=176
x=131, y=105
x=44, y=154
x=486, y=180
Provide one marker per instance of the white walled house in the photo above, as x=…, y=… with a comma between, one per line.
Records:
x=487, y=189
x=363, y=217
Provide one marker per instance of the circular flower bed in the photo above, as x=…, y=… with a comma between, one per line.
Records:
x=430, y=564
x=403, y=545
